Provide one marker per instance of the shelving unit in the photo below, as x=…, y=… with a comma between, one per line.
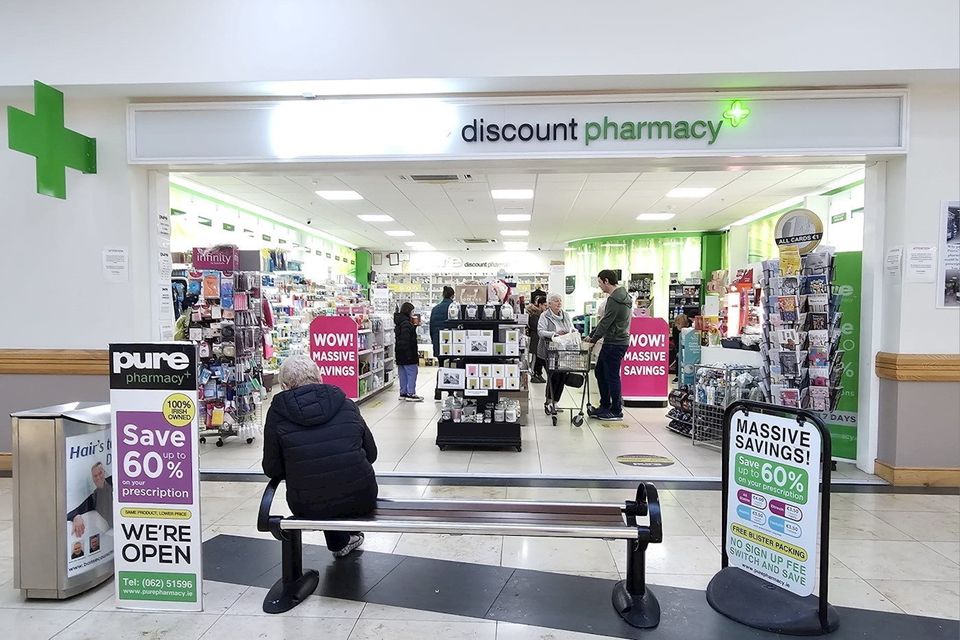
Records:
x=685, y=298
x=475, y=434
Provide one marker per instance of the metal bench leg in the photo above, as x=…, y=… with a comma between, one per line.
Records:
x=295, y=586
x=633, y=601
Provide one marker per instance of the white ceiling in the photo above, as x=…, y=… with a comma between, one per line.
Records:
x=566, y=206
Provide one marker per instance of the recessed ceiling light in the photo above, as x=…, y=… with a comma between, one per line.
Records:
x=375, y=217
x=514, y=232
x=420, y=246
x=655, y=216
x=513, y=217
x=339, y=195
x=511, y=194
x=515, y=246
x=690, y=192
x=399, y=233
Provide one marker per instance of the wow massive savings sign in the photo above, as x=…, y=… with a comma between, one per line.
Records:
x=645, y=367
x=333, y=346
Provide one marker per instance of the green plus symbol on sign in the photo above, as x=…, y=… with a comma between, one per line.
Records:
x=736, y=114
x=53, y=145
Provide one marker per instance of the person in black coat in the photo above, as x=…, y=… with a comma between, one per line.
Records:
x=316, y=440
x=406, y=352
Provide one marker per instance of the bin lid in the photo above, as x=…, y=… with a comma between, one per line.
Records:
x=56, y=410
x=98, y=414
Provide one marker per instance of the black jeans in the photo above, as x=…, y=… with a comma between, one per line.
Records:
x=608, y=377
x=538, y=365
x=337, y=540
x=556, y=381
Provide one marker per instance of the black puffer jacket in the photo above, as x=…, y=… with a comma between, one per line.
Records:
x=316, y=440
x=406, y=334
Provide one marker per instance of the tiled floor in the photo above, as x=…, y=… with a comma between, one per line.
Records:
x=405, y=435
x=889, y=552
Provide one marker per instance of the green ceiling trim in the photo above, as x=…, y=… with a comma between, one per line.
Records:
x=44, y=136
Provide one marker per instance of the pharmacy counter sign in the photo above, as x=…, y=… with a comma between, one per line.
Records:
x=774, y=461
x=157, y=533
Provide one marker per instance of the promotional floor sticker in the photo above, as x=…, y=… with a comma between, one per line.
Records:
x=773, y=502
x=157, y=535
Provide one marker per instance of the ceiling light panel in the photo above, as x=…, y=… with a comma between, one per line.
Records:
x=339, y=195
x=375, y=217
x=513, y=217
x=399, y=233
x=649, y=217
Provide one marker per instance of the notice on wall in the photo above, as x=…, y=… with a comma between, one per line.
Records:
x=893, y=262
x=334, y=347
x=116, y=264
x=773, y=499
x=921, y=263
x=89, y=491
x=153, y=398
x=645, y=367
x=948, y=273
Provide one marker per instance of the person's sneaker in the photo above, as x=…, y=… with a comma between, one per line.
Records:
x=404, y=397
x=593, y=412
x=609, y=416
x=538, y=379
x=355, y=542
x=414, y=398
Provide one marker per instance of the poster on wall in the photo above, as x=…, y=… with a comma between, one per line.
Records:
x=948, y=276
x=570, y=285
x=156, y=479
x=773, y=498
x=842, y=421
x=89, y=487
x=644, y=371
x=334, y=347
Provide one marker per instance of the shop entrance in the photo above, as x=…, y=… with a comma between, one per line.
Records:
x=338, y=241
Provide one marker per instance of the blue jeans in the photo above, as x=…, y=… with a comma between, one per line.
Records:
x=608, y=377
x=408, y=379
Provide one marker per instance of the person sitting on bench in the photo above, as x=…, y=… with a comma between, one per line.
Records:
x=316, y=440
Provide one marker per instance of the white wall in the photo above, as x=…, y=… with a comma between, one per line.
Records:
x=455, y=262
x=225, y=41
x=55, y=295
x=915, y=186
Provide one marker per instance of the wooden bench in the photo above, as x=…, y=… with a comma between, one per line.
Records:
x=635, y=603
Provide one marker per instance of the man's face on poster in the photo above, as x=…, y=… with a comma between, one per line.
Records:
x=99, y=475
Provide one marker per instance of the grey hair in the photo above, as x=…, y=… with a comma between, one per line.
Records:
x=554, y=296
x=297, y=371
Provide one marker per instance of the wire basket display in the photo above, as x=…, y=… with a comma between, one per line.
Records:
x=568, y=360
x=716, y=387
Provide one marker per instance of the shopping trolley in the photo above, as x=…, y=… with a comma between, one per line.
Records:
x=565, y=362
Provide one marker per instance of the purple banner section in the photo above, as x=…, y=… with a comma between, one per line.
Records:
x=154, y=459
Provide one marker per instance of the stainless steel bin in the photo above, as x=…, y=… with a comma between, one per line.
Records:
x=62, y=499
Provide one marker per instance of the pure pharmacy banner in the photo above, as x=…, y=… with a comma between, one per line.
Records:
x=773, y=499
x=153, y=398
x=842, y=422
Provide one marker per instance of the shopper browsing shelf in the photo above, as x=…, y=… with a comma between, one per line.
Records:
x=316, y=440
x=406, y=352
x=554, y=322
x=614, y=330
x=438, y=318
x=534, y=309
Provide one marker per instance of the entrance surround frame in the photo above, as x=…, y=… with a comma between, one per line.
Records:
x=872, y=300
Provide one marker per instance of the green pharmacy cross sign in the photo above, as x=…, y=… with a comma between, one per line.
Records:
x=45, y=137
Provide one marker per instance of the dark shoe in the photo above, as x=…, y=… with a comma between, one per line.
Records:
x=538, y=379
x=609, y=416
x=414, y=398
x=593, y=412
x=403, y=397
x=355, y=541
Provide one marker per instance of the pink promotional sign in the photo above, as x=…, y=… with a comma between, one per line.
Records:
x=220, y=258
x=645, y=369
x=333, y=346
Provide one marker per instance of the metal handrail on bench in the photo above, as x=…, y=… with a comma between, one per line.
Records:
x=631, y=597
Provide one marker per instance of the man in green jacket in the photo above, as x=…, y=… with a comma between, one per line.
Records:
x=614, y=329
